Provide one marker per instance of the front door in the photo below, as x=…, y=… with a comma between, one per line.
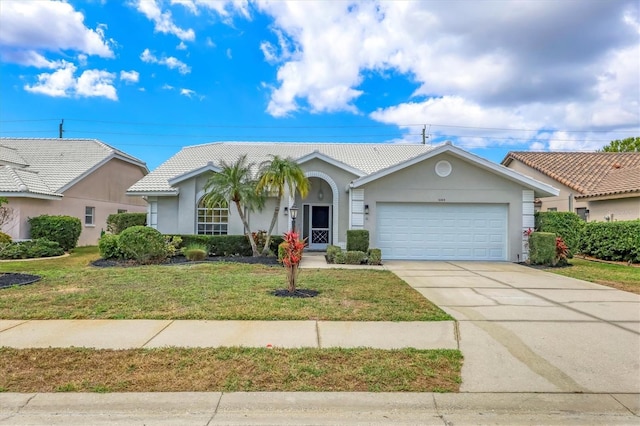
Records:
x=320, y=231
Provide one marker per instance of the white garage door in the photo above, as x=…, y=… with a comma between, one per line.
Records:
x=442, y=231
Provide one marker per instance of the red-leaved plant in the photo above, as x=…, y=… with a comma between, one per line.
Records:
x=562, y=252
x=291, y=258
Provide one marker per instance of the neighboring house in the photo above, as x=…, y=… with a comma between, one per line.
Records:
x=598, y=186
x=84, y=178
x=417, y=201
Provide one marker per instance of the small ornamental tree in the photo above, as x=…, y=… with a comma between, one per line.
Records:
x=292, y=248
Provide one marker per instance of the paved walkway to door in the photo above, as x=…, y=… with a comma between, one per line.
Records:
x=525, y=330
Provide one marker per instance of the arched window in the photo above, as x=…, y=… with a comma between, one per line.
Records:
x=212, y=220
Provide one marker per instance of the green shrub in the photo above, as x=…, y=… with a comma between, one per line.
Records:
x=567, y=225
x=143, y=244
x=331, y=253
x=374, y=257
x=196, y=252
x=40, y=247
x=358, y=240
x=109, y=248
x=4, y=238
x=340, y=258
x=118, y=222
x=618, y=241
x=354, y=257
x=173, y=243
x=542, y=248
x=228, y=245
x=65, y=230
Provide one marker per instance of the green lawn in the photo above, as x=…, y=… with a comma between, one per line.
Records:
x=622, y=277
x=72, y=289
x=229, y=369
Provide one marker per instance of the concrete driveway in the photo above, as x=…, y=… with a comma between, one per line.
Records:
x=525, y=330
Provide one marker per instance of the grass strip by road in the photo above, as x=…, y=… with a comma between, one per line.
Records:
x=622, y=277
x=72, y=289
x=229, y=369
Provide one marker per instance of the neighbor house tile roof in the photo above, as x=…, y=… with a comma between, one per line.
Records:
x=588, y=173
x=365, y=157
x=49, y=166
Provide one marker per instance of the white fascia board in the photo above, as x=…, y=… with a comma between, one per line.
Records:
x=209, y=167
x=171, y=193
x=30, y=195
x=339, y=164
x=541, y=189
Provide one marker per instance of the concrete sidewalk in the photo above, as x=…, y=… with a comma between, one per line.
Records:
x=130, y=334
x=301, y=408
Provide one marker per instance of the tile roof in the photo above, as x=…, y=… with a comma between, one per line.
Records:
x=366, y=157
x=48, y=166
x=585, y=172
x=617, y=181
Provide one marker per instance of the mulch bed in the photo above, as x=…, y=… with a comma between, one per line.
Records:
x=181, y=260
x=299, y=293
x=10, y=279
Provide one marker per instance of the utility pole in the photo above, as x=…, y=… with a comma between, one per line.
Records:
x=424, y=134
x=60, y=129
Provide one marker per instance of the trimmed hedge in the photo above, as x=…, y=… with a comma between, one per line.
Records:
x=143, y=244
x=331, y=253
x=358, y=240
x=354, y=257
x=65, y=230
x=118, y=222
x=109, y=248
x=618, y=241
x=228, y=245
x=542, y=248
x=374, y=257
x=567, y=225
x=40, y=247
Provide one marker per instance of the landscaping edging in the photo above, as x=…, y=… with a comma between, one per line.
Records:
x=10, y=279
x=33, y=259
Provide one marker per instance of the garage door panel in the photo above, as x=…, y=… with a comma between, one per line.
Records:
x=437, y=232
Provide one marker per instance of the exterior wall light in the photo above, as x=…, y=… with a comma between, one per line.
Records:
x=286, y=211
x=366, y=209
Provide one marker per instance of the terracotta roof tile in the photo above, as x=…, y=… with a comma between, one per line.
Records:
x=584, y=172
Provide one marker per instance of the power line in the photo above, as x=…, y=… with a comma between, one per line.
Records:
x=351, y=126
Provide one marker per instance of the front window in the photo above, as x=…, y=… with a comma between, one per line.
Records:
x=212, y=220
x=89, y=215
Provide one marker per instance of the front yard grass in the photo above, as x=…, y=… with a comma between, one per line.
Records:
x=622, y=277
x=72, y=289
x=229, y=369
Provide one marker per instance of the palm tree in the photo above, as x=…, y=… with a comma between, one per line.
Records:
x=274, y=176
x=234, y=184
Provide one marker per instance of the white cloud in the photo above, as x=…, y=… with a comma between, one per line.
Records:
x=32, y=27
x=96, y=83
x=210, y=42
x=130, y=76
x=56, y=84
x=229, y=55
x=187, y=92
x=223, y=8
x=181, y=46
x=168, y=61
x=167, y=87
x=163, y=21
x=63, y=83
x=492, y=64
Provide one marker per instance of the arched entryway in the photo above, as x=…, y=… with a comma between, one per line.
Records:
x=318, y=222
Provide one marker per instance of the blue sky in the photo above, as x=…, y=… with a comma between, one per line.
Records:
x=151, y=76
